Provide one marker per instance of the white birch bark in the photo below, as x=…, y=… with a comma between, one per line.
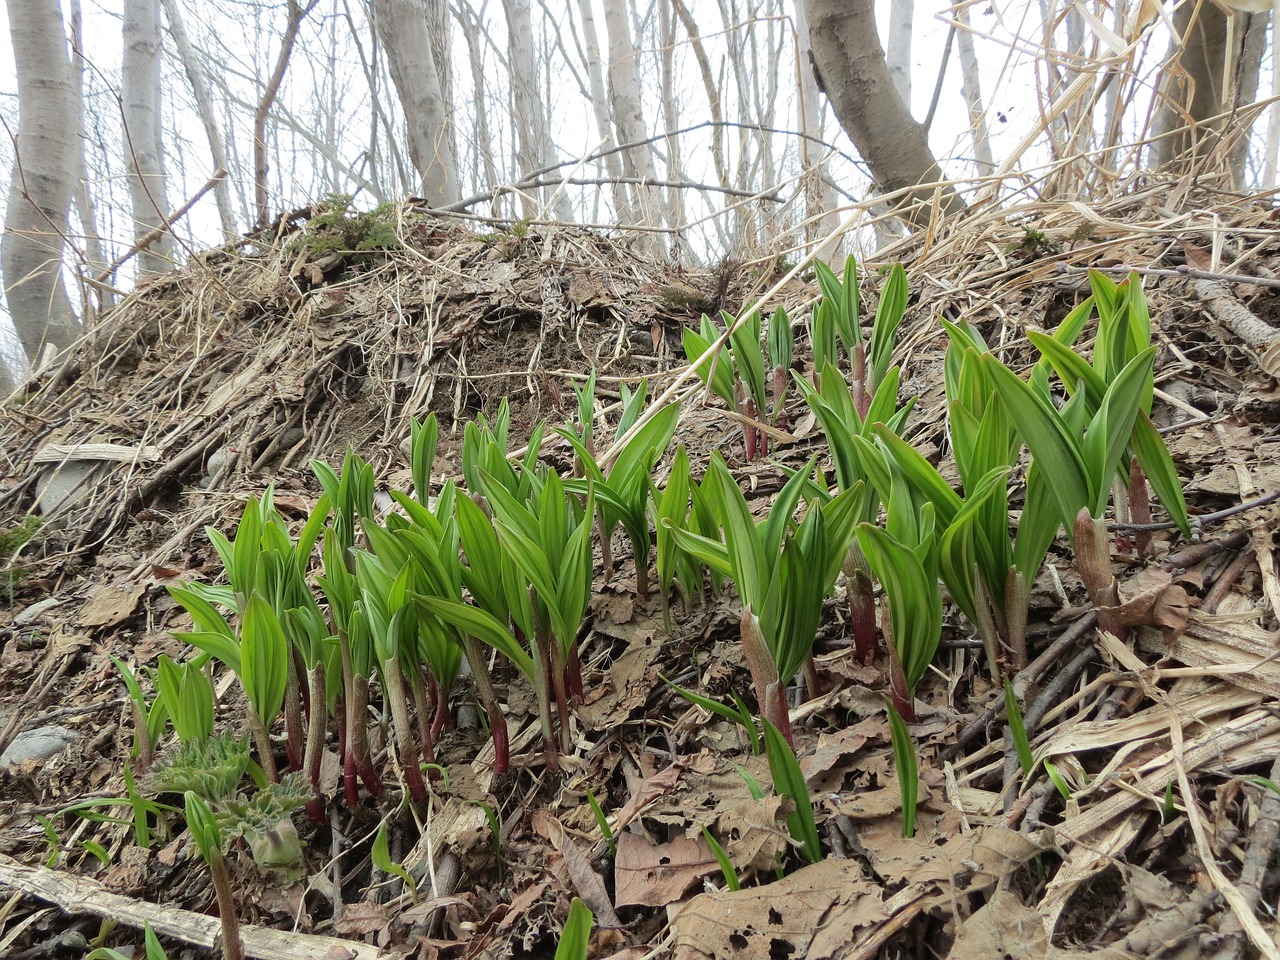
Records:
x=144, y=154
x=482, y=138
x=534, y=150
x=402, y=27
x=671, y=118
x=821, y=219
x=600, y=108
x=971, y=90
x=43, y=178
x=204, y=106
x=898, y=48
x=86, y=210
x=628, y=111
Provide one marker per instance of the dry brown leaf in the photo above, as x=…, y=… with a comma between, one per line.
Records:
x=750, y=831
x=810, y=913
x=362, y=918
x=111, y=604
x=655, y=874
x=1004, y=927
x=586, y=881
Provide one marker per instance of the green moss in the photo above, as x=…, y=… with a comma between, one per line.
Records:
x=340, y=228
x=13, y=538
x=1033, y=245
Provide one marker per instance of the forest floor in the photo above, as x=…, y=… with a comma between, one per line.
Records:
x=234, y=372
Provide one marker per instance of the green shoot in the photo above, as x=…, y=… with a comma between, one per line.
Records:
x=154, y=951
x=381, y=858
x=575, y=938
x=208, y=840
x=736, y=714
x=789, y=782
x=726, y=865
x=1018, y=730
x=904, y=759
x=602, y=821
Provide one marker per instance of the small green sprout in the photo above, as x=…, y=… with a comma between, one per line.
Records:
x=904, y=759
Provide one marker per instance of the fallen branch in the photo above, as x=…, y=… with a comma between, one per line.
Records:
x=76, y=895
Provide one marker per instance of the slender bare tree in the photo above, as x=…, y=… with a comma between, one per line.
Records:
x=902, y=15
x=971, y=90
x=43, y=178
x=144, y=153
x=297, y=13
x=603, y=116
x=403, y=29
x=851, y=69
x=624, y=92
x=204, y=107
x=534, y=149
x=819, y=192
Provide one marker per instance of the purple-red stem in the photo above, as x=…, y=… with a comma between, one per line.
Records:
x=1139, y=506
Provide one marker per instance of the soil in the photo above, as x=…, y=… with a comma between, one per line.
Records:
x=210, y=383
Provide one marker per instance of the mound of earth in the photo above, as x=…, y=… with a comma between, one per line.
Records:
x=1154, y=836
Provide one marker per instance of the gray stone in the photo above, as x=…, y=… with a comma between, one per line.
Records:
x=38, y=744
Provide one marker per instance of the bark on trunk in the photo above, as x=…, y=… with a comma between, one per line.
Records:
x=403, y=29
x=204, y=104
x=140, y=88
x=821, y=219
x=628, y=114
x=604, y=119
x=850, y=65
x=534, y=151
x=43, y=178
x=1192, y=91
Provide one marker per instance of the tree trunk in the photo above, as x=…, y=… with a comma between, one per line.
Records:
x=604, y=120
x=43, y=178
x=1192, y=88
x=297, y=13
x=534, y=150
x=820, y=217
x=140, y=89
x=624, y=88
x=86, y=210
x=898, y=50
x=971, y=90
x=402, y=28
x=850, y=65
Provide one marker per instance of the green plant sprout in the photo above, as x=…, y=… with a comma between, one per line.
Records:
x=1018, y=729
x=549, y=541
x=151, y=945
x=738, y=713
x=575, y=938
x=148, y=718
x=907, y=765
x=602, y=822
x=208, y=841
x=773, y=564
x=779, y=345
x=1124, y=331
x=735, y=373
x=789, y=782
x=727, y=869
x=350, y=494
x=381, y=857
x=187, y=694
x=623, y=493
x=835, y=406
x=1081, y=452
x=142, y=811
x=905, y=560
